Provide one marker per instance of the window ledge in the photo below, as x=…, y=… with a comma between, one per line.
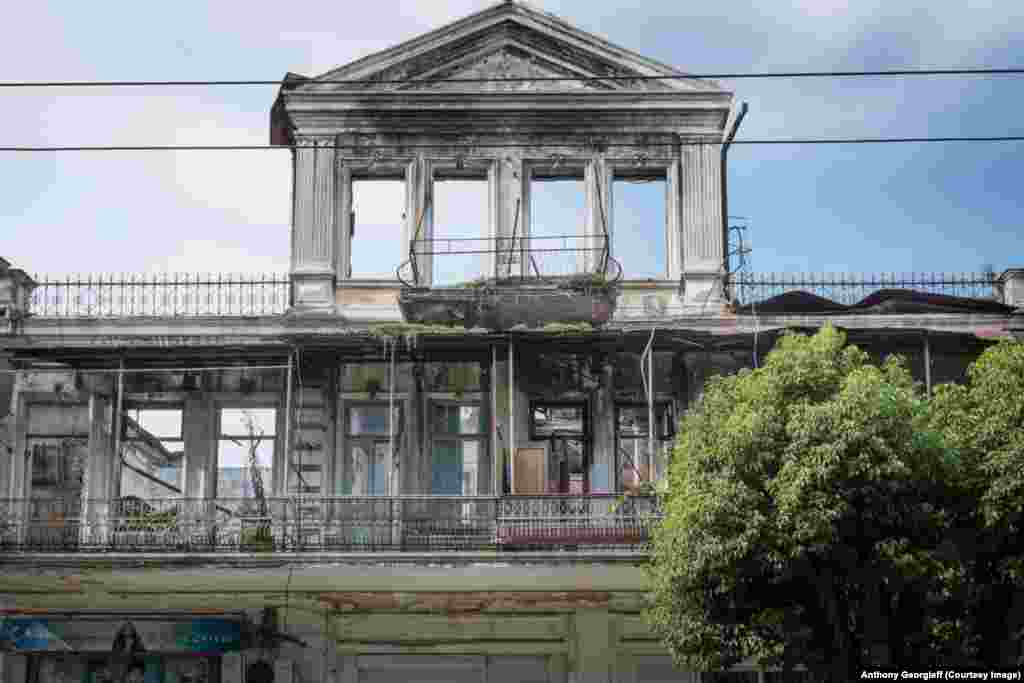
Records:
x=369, y=283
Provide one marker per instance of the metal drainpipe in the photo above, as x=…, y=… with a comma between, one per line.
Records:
x=391, y=419
x=649, y=386
x=512, y=416
x=115, y=485
x=927, y=365
x=282, y=478
x=495, y=451
x=725, y=183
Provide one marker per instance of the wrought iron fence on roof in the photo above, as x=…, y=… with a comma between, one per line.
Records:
x=160, y=295
x=850, y=288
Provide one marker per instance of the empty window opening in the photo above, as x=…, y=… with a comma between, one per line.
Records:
x=245, y=434
x=378, y=212
x=639, y=464
x=154, y=448
x=461, y=214
x=639, y=235
x=558, y=202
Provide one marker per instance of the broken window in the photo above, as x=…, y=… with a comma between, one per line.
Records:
x=245, y=433
x=57, y=441
x=57, y=446
x=154, y=447
x=369, y=437
x=461, y=213
x=565, y=429
x=378, y=213
x=639, y=228
x=458, y=433
x=558, y=202
x=637, y=463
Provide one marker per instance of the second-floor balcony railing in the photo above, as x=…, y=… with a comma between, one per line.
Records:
x=605, y=523
x=160, y=295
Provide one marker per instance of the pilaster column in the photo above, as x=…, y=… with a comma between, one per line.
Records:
x=603, y=473
x=512, y=213
x=598, y=180
x=314, y=257
x=701, y=206
x=674, y=221
x=1011, y=287
x=419, y=218
x=98, y=474
x=343, y=219
x=199, y=420
x=489, y=261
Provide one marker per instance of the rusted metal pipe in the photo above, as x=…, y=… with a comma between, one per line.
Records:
x=512, y=415
x=725, y=184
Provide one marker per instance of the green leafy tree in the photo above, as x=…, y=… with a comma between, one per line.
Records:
x=983, y=423
x=804, y=519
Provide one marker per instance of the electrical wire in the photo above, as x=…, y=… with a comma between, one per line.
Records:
x=561, y=145
x=114, y=371
x=902, y=73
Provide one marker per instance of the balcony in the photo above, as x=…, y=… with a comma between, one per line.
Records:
x=567, y=279
x=424, y=524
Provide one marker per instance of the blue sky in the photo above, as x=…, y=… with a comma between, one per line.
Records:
x=852, y=208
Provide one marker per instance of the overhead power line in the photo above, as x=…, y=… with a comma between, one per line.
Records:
x=464, y=146
x=1011, y=71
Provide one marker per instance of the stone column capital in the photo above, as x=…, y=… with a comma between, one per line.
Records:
x=314, y=141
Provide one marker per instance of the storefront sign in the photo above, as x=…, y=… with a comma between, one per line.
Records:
x=207, y=636
x=21, y=634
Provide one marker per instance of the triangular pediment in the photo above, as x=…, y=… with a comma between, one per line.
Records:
x=510, y=40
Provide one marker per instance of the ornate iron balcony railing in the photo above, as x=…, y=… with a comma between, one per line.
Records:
x=160, y=295
x=340, y=524
x=542, y=257
x=851, y=288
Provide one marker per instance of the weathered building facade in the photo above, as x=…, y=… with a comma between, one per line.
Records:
x=433, y=473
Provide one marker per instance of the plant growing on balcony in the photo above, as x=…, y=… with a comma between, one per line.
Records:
x=152, y=521
x=261, y=537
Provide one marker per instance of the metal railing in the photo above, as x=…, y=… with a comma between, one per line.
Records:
x=519, y=257
x=160, y=295
x=851, y=288
x=339, y=524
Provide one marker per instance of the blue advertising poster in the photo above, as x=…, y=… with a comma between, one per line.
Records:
x=209, y=636
x=29, y=634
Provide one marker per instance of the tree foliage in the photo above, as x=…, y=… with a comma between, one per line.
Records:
x=821, y=511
